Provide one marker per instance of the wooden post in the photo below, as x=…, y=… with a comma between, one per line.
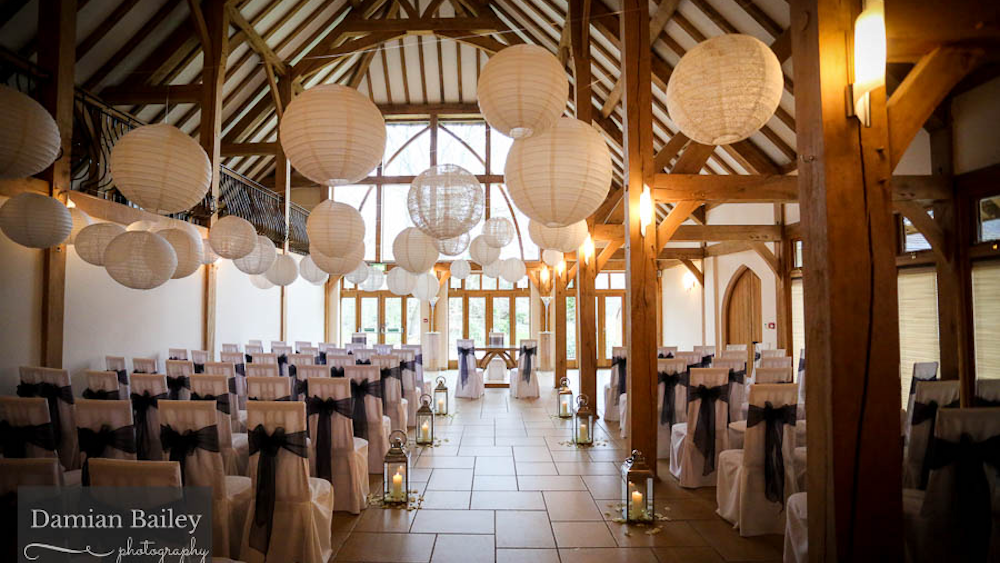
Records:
x=640, y=251
x=56, y=55
x=852, y=336
x=283, y=185
x=559, y=282
x=783, y=284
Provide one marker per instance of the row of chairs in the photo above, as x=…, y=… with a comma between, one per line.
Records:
x=523, y=378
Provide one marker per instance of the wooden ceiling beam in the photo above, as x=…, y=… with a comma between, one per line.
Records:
x=175, y=93
x=698, y=274
x=421, y=26
x=125, y=51
x=743, y=188
x=248, y=149
x=258, y=43
x=102, y=29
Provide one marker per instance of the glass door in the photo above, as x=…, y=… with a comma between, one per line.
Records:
x=369, y=319
x=613, y=324
x=413, y=320
x=477, y=321
x=392, y=324
x=456, y=327
x=522, y=320
x=501, y=318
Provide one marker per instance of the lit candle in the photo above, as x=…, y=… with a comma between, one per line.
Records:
x=636, y=504
x=583, y=432
x=397, y=486
x=425, y=431
x=563, y=408
x=440, y=405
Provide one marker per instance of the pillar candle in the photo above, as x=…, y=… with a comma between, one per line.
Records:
x=425, y=431
x=636, y=504
x=397, y=486
x=584, y=435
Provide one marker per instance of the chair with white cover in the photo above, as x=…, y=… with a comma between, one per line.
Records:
x=411, y=389
x=497, y=366
x=796, y=529
x=312, y=351
x=277, y=343
x=335, y=351
x=235, y=383
x=613, y=391
x=102, y=385
x=362, y=356
x=987, y=393
x=308, y=374
x=335, y=453
x=736, y=347
x=382, y=349
x=117, y=365
x=394, y=404
x=127, y=473
x=665, y=352
x=104, y=429
x=732, y=355
x=754, y=482
x=337, y=363
x=359, y=338
x=15, y=473
x=268, y=389
x=738, y=383
x=177, y=354
x=470, y=377
x=705, y=351
x=291, y=520
x=772, y=353
x=350, y=347
x=252, y=349
x=179, y=379
x=148, y=389
x=418, y=351
x=300, y=345
x=26, y=429
x=255, y=342
x=282, y=352
x=800, y=378
x=931, y=396
x=922, y=371
x=369, y=422
x=524, y=378
x=54, y=385
x=776, y=361
x=190, y=436
x=261, y=370
x=199, y=358
x=233, y=446
x=693, y=359
x=695, y=445
x=767, y=375
x=294, y=362
x=238, y=361
x=230, y=347
x=671, y=402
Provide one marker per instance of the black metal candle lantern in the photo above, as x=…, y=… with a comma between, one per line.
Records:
x=396, y=470
x=564, y=399
x=425, y=422
x=441, y=397
x=637, y=489
x=583, y=422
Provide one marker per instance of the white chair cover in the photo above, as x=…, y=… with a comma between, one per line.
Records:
x=298, y=529
x=470, y=377
x=230, y=347
x=692, y=358
x=330, y=403
x=339, y=360
x=746, y=498
x=673, y=372
x=298, y=360
x=238, y=361
x=268, y=389
x=408, y=369
x=796, y=529
x=800, y=378
x=235, y=383
x=350, y=347
x=177, y=354
x=736, y=347
x=233, y=446
x=262, y=358
x=199, y=358
x=23, y=413
x=300, y=346
x=179, y=374
x=362, y=355
x=382, y=349
x=365, y=389
x=929, y=398
x=277, y=343
x=281, y=352
x=772, y=353
x=687, y=462
x=393, y=402
x=738, y=384
x=262, y=370
x=988, y=392
x=705, y=350
x=54, y=384
x=732, y=355
x=418, y=350
x=128, y=473
x=117, y=365
x=922, y=371
x=612, y=394
x=359, y=338
x=255, y=342
x=775, y=361
x=665, y=352
x=311, y=373
x=148, y=389
x=326, y=346
x=524, y=379
x=496, y=369
x=767, y=375
x=310, y=350
x=93, y=416
x=253, y=349
x=102, y=385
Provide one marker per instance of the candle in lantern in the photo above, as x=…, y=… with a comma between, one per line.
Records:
x=563, y=409
x=397, y=486
x=636, y=504
x=584, y=435
x=425, y=431
x=440, y=405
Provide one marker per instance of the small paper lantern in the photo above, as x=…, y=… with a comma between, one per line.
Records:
x=188, y=250
x=142, y=225
x=374, y=281
x=637, y=489
x=552, y=257
x=400, y=281
x=583, y=422
x=522, y=90
x=483, y=253
x=232, y=237
x=512, y=269
x=445, y=201
x=35, y=220
x=425, y=422
x=492, y=270
x=140, y=260
x=92, y=241
x=260, y=259
x=441, y=397
x=334, y=228
x=414, y=250
x=260, y=282
x=560, y=176
x=338, y=266
x=564, y=399
x=80, y=221
x=498, y=232
x=358, y=274
x=426, y=287
x=161, y=168
x=460, y=269
x=208, y=256
x=311, y=272
x=396, y=471
x=283, y=271
x=452, y=246
x=563, y=239
x=30, y=142
x=333, y=135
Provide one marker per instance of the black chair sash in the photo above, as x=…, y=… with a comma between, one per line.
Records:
x=704, y=431
x=140, y=409
x=241, y=369
x=293, y=370
x=321, y=359
x=221, y=401
x=419, y=359
x=738, y=377
x=774, y=419
x=337, y=371
x=983, y=402
x=285, y=398
x=463, y=364
x=667, y=356
x=358, y=391
x=233, y=386
x=282, y=361
x=53, y=394
x=362, y=362
x=706, y=361
x=175, y=384
x=15, y=439
x=95, y=443
x=198, y=368
x=183, y=444
x=971, y=505
x=122, y=376
x=924, y=412
x=527, y=353
x=300, y=389
x=100, y=394
x=386, y=374
x=325, y=409
x=139, y=371
x=670, y=381
x=621, y=365
x=408, y=365
x=174, y=358
x=268, y=445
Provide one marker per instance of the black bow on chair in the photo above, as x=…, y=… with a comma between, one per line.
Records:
x=527, y=353
x=358, y=391
x=182, y=445
x=362, y=362
x=408, y=365
x=300, y=389
x=122, y=376
x=53, y=394
x=140, y=409
x=321, y=359
x=175, y=384
x=100, y=394
x=241, y=369
x=15, y=439
x=667, y=356
x=248, y=358
x=138, y=371
x=268, y=446
x=293, y=370
x=670, y=382
x=282, y=361
x=337, y=371
x=463, y=364
x=384, y=375
x=198, y=368
x=983, y=402
x=774, y=419
x=233, y=385
x=923, y=412
x=95, y=442
x=419, y=359
x=621, y=363
x=706, y=361
x=325, y=409
x=704, y=431
x=221, y=401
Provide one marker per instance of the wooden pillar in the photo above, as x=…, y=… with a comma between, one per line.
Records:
x=640, y=251
x=851, y=316
x=57, y=56
x=559, y=282
x=783, y=284
x=283, y=185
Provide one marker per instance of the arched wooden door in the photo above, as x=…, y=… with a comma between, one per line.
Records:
x=741, y=310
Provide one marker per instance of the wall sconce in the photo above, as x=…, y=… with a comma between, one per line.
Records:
x=645, y=210
x=543, y=277
x=689, y=281
x=587, y=249
x=560, y=267
x=869, y=59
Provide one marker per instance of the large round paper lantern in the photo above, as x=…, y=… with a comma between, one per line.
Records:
x=187, y=248
x=80, y=221
x=35, y=220
x=445, y=201
x=426, y=287
x=30, y=140
x=208, y=256
x=161, y=168
x=522, y=90
x=92, y=241
x=564, y=239
x=261, y=282
x=232, y=237
x=414, y=250
x=334, y=135
x=334, y=228
x=461, y=269
x=492, y=270
x=259, y=259
x=400, y=281
x=311, y=272
x=374, y=280
x=560, y=176
x=552, y=257
x=512, y=269
x=724, y=89
x=142, y=225
x=498, y=231
x=140, y=260
x=483, y=253
x=358, y=274
x=452, y=246
x=340, y=265
x=283, y=271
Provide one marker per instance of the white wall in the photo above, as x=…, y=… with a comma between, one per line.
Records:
x=976, y=115
x=20, y=310
x=305, y=311
x=682, y=309
x=242, y=311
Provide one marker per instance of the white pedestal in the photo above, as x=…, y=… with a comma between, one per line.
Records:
x=547, y=359
x=431, y=343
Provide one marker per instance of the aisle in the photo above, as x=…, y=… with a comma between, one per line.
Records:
x=505, y=486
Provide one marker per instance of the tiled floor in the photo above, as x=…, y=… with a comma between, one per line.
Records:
x=505, y=487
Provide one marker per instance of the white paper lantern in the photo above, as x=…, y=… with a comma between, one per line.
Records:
x=332, y=134
x=492, y=270
x=35, y=220
x=564, y=239
x=187, y=248
x=400, y=281
x=483, y=253
x=142, y=225
x=358, y=274
x=452, y=246
x=724, y=89
x=176, y=224
x=512, y=269
x=552, y=257
x=445, y=201
x=208, y=256
x=461, y=269
x=426, y=287
x=260, y=282
x=30, y=140
x=232, y=237
x=311, y=272
x=140, y=260
x=414, y=250
x=340, y=265
x=260, y=259
x=283, y=271
x=498, y=231
x=374, y=280
x=161, y=168
x=335, y=229
x=522, y=90
x=92, y=241
x=80, y=221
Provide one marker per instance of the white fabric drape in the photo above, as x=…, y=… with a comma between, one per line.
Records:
x=27, y=411
x=796, y=529
x=268, y=389
x=348, y=454
x=394, y=403
x=104, y=381
x=144, y=365
x=687, y=463
x=117, y=364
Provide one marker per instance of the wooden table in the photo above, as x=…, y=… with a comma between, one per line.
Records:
x=505, y=354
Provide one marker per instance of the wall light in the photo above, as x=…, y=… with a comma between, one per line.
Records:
x=587, y=249
x=869, y=59
x=689, y=281
x=561, y=267
x=543, y=276
x=645, y=210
